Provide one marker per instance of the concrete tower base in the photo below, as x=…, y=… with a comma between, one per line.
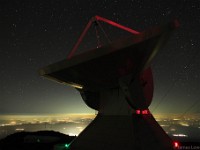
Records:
x=116, y=127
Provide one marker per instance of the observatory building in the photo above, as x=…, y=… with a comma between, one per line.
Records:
x=116, y=80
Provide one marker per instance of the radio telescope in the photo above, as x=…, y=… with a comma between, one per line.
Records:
x=116, y=80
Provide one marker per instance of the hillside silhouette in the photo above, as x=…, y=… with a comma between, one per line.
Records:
x=41, y=140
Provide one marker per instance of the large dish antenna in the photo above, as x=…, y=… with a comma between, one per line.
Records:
x=116, y=79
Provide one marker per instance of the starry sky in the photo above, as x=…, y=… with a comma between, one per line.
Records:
x=35, y=33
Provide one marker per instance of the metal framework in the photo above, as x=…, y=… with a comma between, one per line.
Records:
x=96, y=19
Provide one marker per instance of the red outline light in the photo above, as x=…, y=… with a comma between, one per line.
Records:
x=117, y=25
x=93, y=19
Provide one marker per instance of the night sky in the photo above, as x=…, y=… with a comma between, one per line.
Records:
x=34, y=34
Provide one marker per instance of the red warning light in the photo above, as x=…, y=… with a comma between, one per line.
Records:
x=143, y=112
x=138, y=112
x=176, y=145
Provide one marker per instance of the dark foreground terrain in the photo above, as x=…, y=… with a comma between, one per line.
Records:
x=41, y=140
x=51, y=140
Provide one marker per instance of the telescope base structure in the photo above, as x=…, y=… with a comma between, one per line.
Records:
x=116, y=127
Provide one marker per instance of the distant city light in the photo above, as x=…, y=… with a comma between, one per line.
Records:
x=72, y=124
x=12, y=123
x=175, y=119
x=80, y=128
x=164, y=125
x=172, y=129
x=19, y=129
x=184, y=124
x=72, y=134
x=180, y=135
